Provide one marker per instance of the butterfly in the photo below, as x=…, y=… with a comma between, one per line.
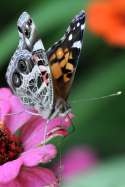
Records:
x=43, y=79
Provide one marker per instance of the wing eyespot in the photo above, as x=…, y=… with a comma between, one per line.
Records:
x=16, y=79
x=22, y=66
x=25, y=66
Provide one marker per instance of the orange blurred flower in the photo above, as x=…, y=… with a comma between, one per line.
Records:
x=107, y=19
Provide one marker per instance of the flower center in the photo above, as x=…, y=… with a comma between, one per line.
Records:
x=10, y=145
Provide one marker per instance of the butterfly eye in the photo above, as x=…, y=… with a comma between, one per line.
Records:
x=27, y=32
x=22, y=66
x=20, y=30
x=16, y=79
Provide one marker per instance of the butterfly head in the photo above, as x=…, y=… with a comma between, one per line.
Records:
x=27, y=29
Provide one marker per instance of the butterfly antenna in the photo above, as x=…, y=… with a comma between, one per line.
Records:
x=61, y=167
x=73, y=101
x=32, y=113
x=12, y=114
x=98, y=98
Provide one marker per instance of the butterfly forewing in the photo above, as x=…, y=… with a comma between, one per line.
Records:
x=64, y=55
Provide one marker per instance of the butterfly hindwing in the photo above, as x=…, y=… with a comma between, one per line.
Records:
x=64, y=55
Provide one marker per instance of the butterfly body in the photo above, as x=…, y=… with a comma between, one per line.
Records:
x=43, y=79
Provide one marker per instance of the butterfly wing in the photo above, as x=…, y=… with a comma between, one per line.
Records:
x=28, y=73
x=64, y=56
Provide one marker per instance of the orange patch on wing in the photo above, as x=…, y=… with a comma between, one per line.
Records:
x=56, y=70
x=59, y=53
x=63, y=63
x=70, y=56
x=67, y=56
x=66, y=79
x=69, y=66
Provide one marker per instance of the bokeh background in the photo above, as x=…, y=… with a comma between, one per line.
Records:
x=100, y=124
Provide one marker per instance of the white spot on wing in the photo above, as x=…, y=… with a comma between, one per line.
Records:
x=70, y=37
x=83, y=27
x=77, y=44
x=78, y=24
x=38, y=45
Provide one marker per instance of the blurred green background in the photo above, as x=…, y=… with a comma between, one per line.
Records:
x=99, y=124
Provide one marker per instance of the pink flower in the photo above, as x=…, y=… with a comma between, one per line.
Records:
x=20, y=153
x=77, y=160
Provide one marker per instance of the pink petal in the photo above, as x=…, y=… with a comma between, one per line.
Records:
x=14, y=122
x=10, y=170
x=35, y=134
x=13, y=183
x=12, y=104
x=4, y=109
x=5, y=93
x=60, y=121
x=37, y=177
x=38, y=155
x=32, y=133
x=77, y=160
x=33, y=177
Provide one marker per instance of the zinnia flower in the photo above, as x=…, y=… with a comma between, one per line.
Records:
x=22, y=145
x=77, y=160
x=106, y=18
